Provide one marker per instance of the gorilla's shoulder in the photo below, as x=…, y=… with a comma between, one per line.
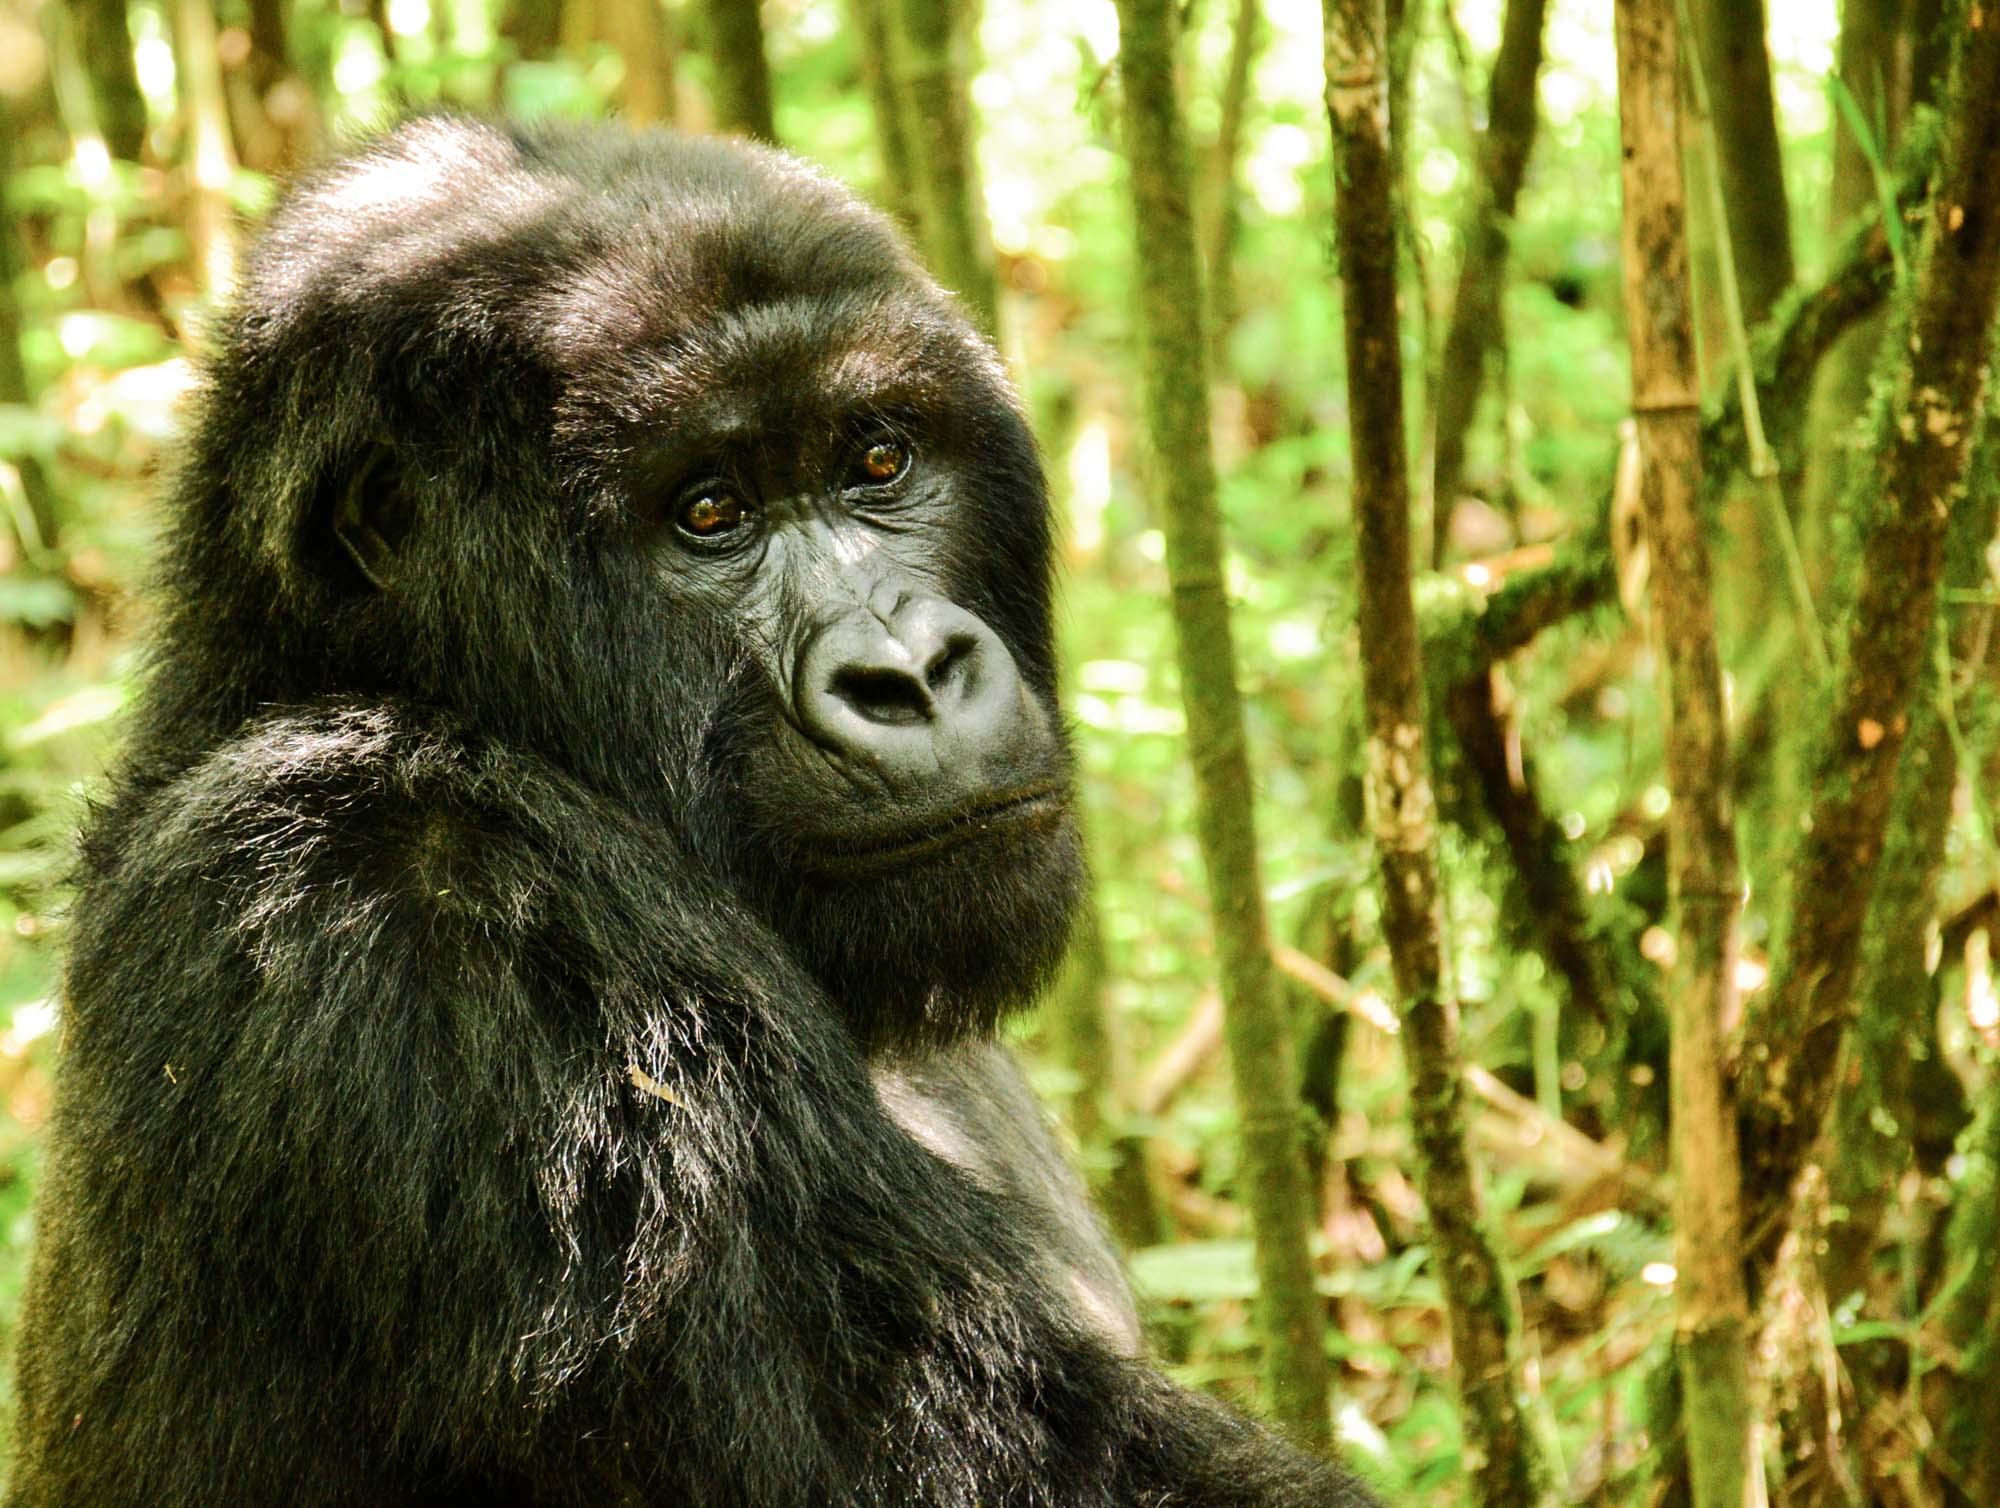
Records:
x=389, y=841
x=333, y=801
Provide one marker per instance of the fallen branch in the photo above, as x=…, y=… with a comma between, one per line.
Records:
x=1181, y=1059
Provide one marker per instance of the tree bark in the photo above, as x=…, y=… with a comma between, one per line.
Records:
x=1865, y=63
x=1261, y=1053
x=896, y=191
x=1705, y=884
x=1503, y=1453
x=1871, y=32
x=1882, y=1116
x=533, y=26
x=643, y=36
x=1544, y=895
x=1921, y=443
x=210, y=167
x=104, y=42
x=742, y=73
x=933, y=51
x=14, y=387
x=1225, y=220
x=275, y=114
x=1504, y=147
x=1929, y=29
x=1737, y=65
x=1789, y=348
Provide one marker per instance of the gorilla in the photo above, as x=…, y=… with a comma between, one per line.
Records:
x=595, y=786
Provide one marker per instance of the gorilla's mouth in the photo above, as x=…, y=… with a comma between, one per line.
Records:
x=867, y=853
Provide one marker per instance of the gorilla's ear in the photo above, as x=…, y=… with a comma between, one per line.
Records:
x=373, y=516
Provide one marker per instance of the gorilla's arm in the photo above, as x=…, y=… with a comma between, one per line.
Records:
x=551, y=1158
x=971, y=1105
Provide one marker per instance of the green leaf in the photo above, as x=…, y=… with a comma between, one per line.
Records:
x=1885, y=186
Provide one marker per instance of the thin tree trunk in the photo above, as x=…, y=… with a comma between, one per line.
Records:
x=1403, y=23
x=1544, y=893
x=1865, y=66
x=1225, y=222
x=104, y=42
x=933, y=53
x=1929, y=27
x=1898, y=1105
x=1261, y=1055
x=270, y=51
x=1504, y=147
x=1894, y=992
x=41, y=522
x=1877, y=1113
x=1865, y=69
x=275, y=113
x=377, y=12
x=642, y=35
x=896, y=190
x=742, y=75
x=1706, y=885
x=533, y=26
x=1737, y=65
x=579, y=28
x=1872, y=35
x=1921, y=445
x=1502, y=1449
x=89, y=156
x=211, y=160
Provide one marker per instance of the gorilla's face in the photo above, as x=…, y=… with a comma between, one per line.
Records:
x=771, y=545
x=854, y=503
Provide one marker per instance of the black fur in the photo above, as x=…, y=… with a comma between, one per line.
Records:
x=480, y=984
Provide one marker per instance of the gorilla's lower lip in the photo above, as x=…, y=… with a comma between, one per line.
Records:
x=868, y=852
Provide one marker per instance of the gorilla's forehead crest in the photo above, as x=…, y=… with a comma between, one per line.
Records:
x=423, y=168
x=577, y=248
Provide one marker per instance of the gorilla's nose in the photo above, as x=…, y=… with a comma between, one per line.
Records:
x=917, y=689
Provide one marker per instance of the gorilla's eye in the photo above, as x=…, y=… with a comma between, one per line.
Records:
x=711, y=513
x=883, y=461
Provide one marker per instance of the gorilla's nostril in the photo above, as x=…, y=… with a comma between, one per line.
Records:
x=882, y=695
x=953, y=666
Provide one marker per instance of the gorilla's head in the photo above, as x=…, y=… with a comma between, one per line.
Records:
x=661, y=458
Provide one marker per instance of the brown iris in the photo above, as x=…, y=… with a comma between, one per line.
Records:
x=711, y=513
x=884, y=461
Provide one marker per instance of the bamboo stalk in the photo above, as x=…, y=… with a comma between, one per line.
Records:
x=211, y=158
x=735, y=39
x=1475, y=327
x=1707, y=889
x=1290, y=1312
x=876, y=42
x=1503, y=1453
x=1224, y=222
x=931, y=55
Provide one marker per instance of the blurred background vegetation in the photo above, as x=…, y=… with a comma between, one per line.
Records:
x=139, y=139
